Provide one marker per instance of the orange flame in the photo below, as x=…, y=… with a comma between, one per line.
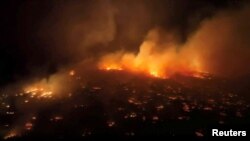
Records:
x=154, y=59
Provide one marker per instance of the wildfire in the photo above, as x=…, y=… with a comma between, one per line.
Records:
x=154, y=61
x=39, y=90
x=113, y=68
x=156, y=74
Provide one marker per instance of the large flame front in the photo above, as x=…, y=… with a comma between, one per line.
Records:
x=155, y=59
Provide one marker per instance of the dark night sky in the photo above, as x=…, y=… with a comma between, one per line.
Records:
x=37, y=37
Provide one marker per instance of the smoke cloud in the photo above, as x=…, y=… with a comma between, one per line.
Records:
x=39, y=38
x=222, y=43
x=219, y=46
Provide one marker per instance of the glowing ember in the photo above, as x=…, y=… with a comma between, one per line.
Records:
x=47, y=88
x=155, y=118
x=56, y=118
x=38, y=92
x=185, y=107
x=199, y=134
x=208, y=108
x=132, y=115
x=12, y=134
x=28, y=126
x=130, y=133
x=112, y=68
x=72, y=73
x=134, y=101
x=46, y=94
x=10, y=113
x=160, y=107
x=97, y=88
x=111, y=123
x=172, y=97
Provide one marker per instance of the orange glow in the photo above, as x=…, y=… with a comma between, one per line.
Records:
x=28, y=126
x=39, y=90
x=157, y=60
x=11, y=134
x=112, y=68
x=72, y=73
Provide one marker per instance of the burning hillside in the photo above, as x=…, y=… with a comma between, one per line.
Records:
x=122, y=103
x=154, y=59
x=82, y=69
